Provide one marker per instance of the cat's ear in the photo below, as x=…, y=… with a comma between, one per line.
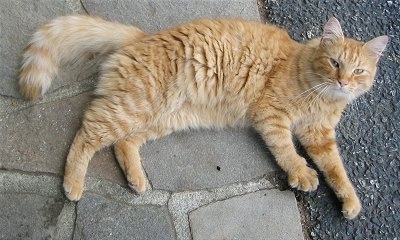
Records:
x=377, y=45
x=332, y=32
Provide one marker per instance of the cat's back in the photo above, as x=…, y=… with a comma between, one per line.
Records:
x=234, y=31
x=206, y=57
x=221, y=45
x=206, y=69
x=220, y=27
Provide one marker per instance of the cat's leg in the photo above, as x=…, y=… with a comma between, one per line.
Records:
x=127, y=153
x=103, y=124
x=85, y=144
x=320, y=144
x=274, y=126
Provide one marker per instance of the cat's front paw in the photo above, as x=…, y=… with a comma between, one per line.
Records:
x=73, y=189
x=304, y=178
x=351, y=207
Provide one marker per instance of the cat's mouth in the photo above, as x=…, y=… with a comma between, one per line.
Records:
x=341, y=93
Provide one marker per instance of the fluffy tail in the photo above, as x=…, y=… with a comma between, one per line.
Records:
x=67, y=39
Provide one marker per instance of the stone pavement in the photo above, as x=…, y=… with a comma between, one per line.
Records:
x=203, y=184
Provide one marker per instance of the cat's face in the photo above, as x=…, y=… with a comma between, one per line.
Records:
x=344, y=68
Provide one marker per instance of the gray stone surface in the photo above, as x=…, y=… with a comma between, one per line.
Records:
x=152, y=15
x=99, y=218
x=40, y=133
x=249, y=217
x=28, y=216
x=19, y=182
x=18, y=21
x=207, y=158
x=39, y=138
x=181, y=203
x=66, y=222
x=188, y=170
x=34, y=207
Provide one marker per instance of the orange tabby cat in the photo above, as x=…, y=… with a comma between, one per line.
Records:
x=208, y=73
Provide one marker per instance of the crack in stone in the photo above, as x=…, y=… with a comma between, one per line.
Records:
x=179, y=204
x=75, y=219
x=84, y=8
x=116, y=192
x=11, y=105
x=76, y=6
x=66, y=221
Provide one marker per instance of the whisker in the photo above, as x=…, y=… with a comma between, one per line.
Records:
x=310, y=93
x=318, y=97
x=312, y=89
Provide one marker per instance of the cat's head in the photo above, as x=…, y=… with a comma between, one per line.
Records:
x=344, y=67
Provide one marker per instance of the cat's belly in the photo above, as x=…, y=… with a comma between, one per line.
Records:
x=202, y=117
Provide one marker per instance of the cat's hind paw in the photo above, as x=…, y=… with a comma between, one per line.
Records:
x=137, y=183
x=351, y=208
x=304, y=178
x=73, y=189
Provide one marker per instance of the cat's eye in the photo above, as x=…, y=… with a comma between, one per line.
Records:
x=358, y=71
x=334, y=63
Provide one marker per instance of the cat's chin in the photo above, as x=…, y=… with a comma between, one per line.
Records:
x=341, y=95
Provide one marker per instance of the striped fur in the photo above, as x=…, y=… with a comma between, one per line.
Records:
x=208, y=73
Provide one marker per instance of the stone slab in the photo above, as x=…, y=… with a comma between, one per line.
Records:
x=205, y=159
x=18, y=21
x=38, y=139
x=99, y=218
x=29, y=216
x=181, y=203
x=34, y=207
x=267, y=214
x=152, y=15
x=66, y=222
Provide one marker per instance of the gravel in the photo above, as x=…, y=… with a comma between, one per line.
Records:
x=368, y=134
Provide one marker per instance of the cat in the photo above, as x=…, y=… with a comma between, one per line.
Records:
x=208, y=73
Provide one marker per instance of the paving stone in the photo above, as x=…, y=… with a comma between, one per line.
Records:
x=99, y=218
x=28, y=15
x=40, y=184
x=28, y=216
x=18, y=21
x=268, y=214
x=66, y=222
x=152, y=15
x=39, y=136
x=38, y=139
x=205, y=159
x=181, y=203
x=43, y=133
x=38, y=190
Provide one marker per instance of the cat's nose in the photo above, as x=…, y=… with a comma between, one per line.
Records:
x=343, y=83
